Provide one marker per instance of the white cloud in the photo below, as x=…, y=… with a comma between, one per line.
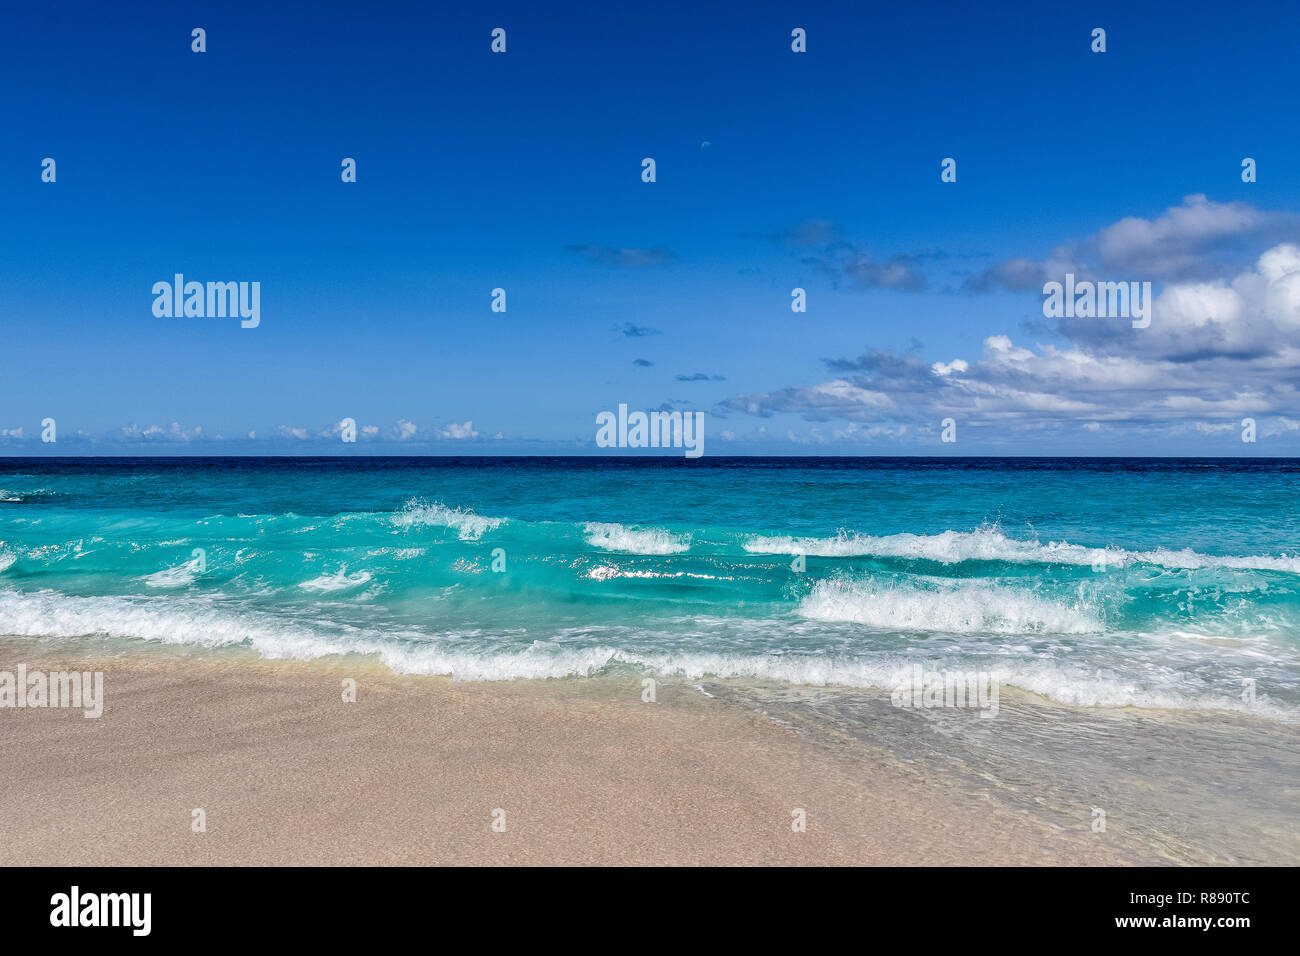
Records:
x=458, y=431
x=173, y=432
x=1186, y=242
x=1171, y=244
x=1217, y=349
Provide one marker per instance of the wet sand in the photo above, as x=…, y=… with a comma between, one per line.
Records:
x=287, y=772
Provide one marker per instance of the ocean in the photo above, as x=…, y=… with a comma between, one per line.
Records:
x=1165, y=584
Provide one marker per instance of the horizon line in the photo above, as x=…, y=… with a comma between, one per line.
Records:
x=661, y=457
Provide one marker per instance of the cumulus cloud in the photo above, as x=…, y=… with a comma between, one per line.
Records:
x=455, y=431
x=1216, y=351
x=333, y=430
x=1193, y=240
x=947, y=368
x=1173, y=245
x=1251, y=316
x=173, y=432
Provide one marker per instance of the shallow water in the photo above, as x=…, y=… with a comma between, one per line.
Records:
x=1177, y=788
x=1172, y=585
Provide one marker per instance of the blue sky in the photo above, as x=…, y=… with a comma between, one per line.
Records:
x=523, y=171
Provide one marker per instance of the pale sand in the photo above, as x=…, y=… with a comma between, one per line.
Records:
x=587, y=773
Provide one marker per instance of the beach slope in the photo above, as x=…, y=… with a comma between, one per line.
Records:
x=416, y=770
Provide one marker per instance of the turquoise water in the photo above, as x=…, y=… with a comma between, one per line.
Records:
x=1159, y=583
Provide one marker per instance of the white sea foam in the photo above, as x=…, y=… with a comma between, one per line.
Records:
x=7, y=558
x=177, y=577
x=14, y=497
x=603, y=572
x=205, y=622
x=340, y=580
x=990, y=544
x=397, y=554
x=468, y=525
x=610, y=536
x=960, y=609
x=1069, y=684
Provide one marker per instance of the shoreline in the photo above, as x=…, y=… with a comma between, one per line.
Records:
x=287, y=773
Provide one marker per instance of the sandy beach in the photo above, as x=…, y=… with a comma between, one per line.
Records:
x=286, y=772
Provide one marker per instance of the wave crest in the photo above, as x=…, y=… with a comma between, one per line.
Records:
x=203, y=622
x=338, y=581
x=961, y=609
x=610, y=536
x=990, y=544
x=468, y=525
